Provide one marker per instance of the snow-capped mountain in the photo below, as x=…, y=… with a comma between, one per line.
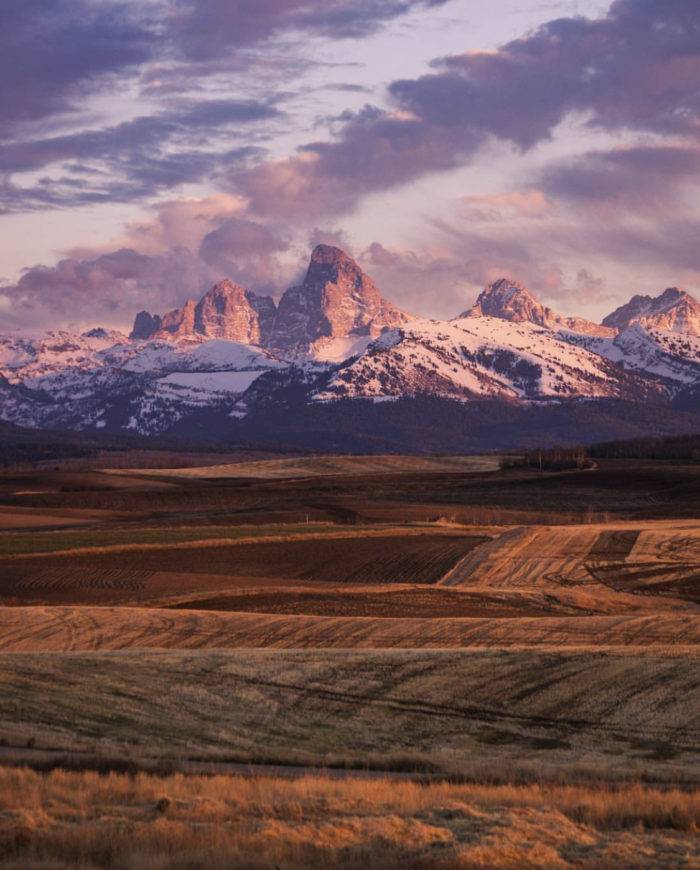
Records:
x=27, y=360
x=335, y=311
x=674, y=310
x=671, y=356
x=233, y=354
x=134, y=385
x=509, y=300
x=480, y=357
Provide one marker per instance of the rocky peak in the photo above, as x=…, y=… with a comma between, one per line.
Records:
x=336, y=300
x=231, y=312
x=509, y=300
x=178, y=323
x=145, y=325
x=226, y=311
x=674, y=310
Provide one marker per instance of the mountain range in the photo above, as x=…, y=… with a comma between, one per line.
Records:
x=333, y=362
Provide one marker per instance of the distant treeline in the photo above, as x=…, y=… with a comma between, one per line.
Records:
x=21, y=446
x=552, y=459
x=679, y=447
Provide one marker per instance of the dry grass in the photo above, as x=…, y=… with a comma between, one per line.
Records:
x=70, y=820
x=630, y=713
x=69, y=628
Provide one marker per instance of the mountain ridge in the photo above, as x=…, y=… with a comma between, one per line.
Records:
x=233, y=356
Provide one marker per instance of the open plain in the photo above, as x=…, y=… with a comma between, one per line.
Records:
x=420, y=621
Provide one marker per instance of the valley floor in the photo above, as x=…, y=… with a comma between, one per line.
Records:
x=442, y=619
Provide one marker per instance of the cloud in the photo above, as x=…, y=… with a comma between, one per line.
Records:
x=177, y=253
x=108, y=288
x=375, y=151
x=54, y=51
x=130, y=160
x=638, y=68
x=531, y=203
x=635, y=69
x=650, y=178
x=205, y=28
x=59, y=54
x=248, y=252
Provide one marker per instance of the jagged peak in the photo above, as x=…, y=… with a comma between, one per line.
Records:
x=225, y=286
x=674, y=310
x=507, y=299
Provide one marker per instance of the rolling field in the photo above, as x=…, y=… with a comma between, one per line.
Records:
x=149, y=574
x=622, y=710
x=325, y=466
x=655, y=559
x=426, y=616
x=63, y=629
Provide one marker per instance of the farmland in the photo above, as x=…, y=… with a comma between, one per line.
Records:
x=412, y=617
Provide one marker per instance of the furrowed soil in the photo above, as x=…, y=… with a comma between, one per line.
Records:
x=421, y=614
x=128, y=574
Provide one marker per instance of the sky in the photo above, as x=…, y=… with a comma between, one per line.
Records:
x=149, y=148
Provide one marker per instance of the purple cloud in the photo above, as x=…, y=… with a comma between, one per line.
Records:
x=246, y=252
x=637, y=68
x=130, y=160
x=107, y=288
x=54, y=51
x=646, y=177
x=201, y=29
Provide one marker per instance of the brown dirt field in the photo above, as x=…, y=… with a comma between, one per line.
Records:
x=58, y=628
x=411, y=601
x=16, y=518
x=626, y=711
x=128, y=575
x=82, y=819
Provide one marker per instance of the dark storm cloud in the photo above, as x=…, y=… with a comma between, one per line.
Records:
x=638, y=68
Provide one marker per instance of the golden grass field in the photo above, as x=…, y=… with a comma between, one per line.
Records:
x=346, y=612
x=151, y=823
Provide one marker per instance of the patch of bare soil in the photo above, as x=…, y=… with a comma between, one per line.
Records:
x=127, y=575
x=427, y=603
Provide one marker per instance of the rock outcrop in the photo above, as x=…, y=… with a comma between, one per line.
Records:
x=674, y=310
x=511, y=301
x=336, y=300
x=227, y=311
